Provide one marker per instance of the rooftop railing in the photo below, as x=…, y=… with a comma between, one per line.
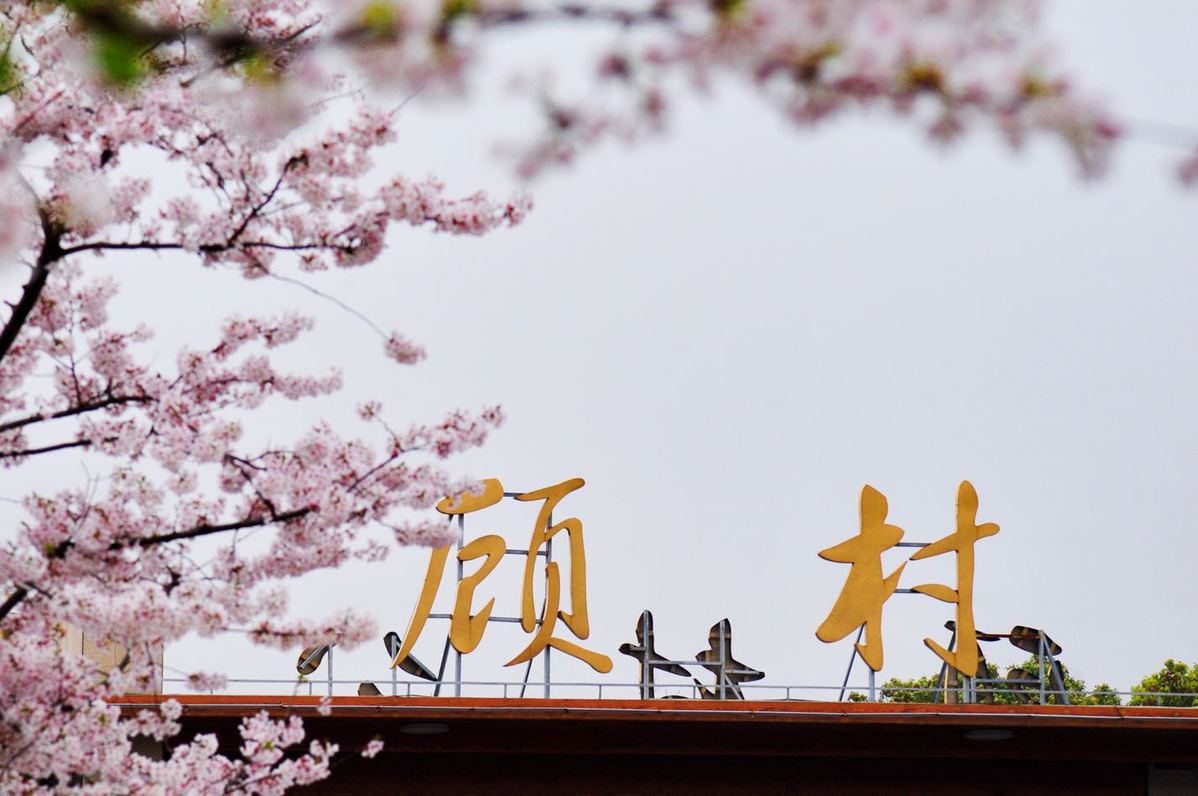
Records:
x=980, y=692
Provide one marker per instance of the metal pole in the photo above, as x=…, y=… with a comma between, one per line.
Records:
x=548, y=561
x=1055, y=671
x=330, y=671
x=852, y=659
x=527, y=671
x=873, y=697
x=441, y=669
x=457, y=656
x=531, y=661
x=723, y=677
x=394, y=682
x=946, y=676
x=646, y=675
x=1040, y=658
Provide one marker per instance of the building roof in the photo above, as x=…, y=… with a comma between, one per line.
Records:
x=726, y=728
x=667, y=746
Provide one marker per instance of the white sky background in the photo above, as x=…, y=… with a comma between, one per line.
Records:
x=730, y=330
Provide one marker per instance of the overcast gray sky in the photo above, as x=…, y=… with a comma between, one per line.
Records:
x=728, y=331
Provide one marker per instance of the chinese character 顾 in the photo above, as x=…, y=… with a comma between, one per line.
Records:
x=466, y=629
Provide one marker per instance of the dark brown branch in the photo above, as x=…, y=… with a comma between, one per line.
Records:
x=209, y=248
x=79, y=443
x=298, y=247
x=62, y=548
x=366, y=475
x=207, y=530
x=13, y=600
x=50, y=253
x=257, y=209
x=147, y=245
x=83, y=408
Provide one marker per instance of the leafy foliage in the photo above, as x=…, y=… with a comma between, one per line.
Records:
x=921, y=689
x=926, y=689
x=1174, y=677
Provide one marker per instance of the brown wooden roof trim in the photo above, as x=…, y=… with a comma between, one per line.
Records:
x=678, y=710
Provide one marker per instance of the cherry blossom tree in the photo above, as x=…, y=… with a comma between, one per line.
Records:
x=238, y=97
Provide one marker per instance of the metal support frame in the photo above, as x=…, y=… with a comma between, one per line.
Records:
x=1048, y=671
x=320, y=653
x=968, y=686
x=723, y=683
x=725, y=686
x=544, y=605
x=1055, y=670
x=647, y=644
x=873, y=695
x=852, y=659
x=1040, y=666
x=457, y=656
x=942, y=679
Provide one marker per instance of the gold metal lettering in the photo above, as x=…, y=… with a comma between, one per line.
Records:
x=424, y=606
x=961, y=542
x=466, y=631
x=577, y=621
x=467, y=502
x=462, y=628
x=865, y=591
x=544, y=637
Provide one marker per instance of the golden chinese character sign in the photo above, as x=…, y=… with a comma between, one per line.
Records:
x=560, y=619
x=866, y=589
x=466, y=628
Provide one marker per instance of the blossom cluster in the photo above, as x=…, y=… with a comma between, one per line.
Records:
x=945, y=65
x=114, y=557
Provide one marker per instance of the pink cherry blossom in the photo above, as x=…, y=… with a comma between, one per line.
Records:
x=403, y=350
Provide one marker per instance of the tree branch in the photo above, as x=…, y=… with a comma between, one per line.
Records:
x=207, y=530
x=207, y=248
x=79, y=409
x=148, y=245
x=13, y=600
x=79, y=443
x=50, y=253
x=60, y=550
